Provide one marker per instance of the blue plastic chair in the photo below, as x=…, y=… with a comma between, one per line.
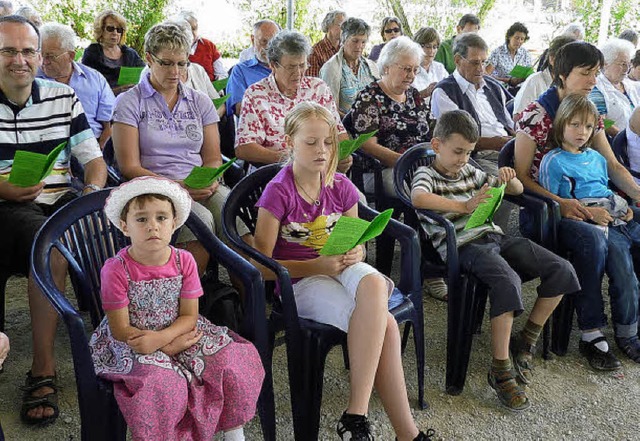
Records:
x=83, y=235
x=308, y=342
x=364, y=163
x=619, y=147
x=467, y=296
x=546, y=234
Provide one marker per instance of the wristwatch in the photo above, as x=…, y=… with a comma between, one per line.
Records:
x=93, y=187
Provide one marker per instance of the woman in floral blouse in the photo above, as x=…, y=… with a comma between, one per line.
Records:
x=509, y=55
x=393, y=107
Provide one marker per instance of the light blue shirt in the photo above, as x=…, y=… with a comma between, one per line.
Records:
x=94, y=94
x=242, y=76
x=575, y=176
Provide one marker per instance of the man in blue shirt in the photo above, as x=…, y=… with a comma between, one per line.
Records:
x=92, y=89
x=248, y=72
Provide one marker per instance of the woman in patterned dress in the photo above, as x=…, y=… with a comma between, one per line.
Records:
x=176, y=375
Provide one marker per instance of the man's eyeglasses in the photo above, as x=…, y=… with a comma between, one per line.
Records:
x=113, y=28
x=477, y=63
x=392, y=31
x=296, y=67
x=182, y=65
x=409, y=70
x=27, y=54
x=50, y=57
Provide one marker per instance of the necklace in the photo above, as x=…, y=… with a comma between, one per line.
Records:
x=316, y=201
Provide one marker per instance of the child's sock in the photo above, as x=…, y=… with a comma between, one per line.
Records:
x=531, y=332
x=500, y=365
x=592, y=335
x=234, y=435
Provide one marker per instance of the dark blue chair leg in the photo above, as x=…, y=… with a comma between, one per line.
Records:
x=562, y=324
x=3, y=287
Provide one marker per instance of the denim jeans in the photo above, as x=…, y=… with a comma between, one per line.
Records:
x=623, y=283
x=587, y=246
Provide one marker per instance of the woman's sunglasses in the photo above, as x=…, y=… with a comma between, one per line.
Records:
x=113, y=28
x=392, y=30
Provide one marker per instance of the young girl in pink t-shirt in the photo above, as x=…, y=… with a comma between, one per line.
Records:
x=297, y=212
x=176, y=375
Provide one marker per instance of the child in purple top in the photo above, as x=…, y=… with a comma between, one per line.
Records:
x=298, y=210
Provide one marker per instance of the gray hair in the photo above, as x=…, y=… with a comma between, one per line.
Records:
x=188, y=16
x=183, y=24
x=354, y=26
x=258, y=24
x=62, y=33
x=614, y=47
x=629, y=35
x=6, y=7
x=330, y=18
x=463, y=42
x=167, y=36
x=576, y=30
x=30, y=14
x=396, y=48
x=288, y=43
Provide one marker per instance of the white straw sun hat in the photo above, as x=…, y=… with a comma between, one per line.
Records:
x=148, y=185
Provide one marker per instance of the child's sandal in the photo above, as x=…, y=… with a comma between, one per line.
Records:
x=510, y=393
x=522, y=355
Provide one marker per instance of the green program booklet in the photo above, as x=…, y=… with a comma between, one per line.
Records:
x=351, y=231
x=29, y=168
x=129, y=75
x=218, y=85
x=217, y=102
x=521, y=72
x=608, y=123
x=484, y=212
x=202, y=177
x=348, y=146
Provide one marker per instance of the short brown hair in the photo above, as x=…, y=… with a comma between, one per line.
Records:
x=426, y=35
x=98, y=24
x=570, y=107
x=141, y=200
x=456, y=121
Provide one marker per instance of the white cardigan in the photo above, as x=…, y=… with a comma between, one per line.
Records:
x=618, y=108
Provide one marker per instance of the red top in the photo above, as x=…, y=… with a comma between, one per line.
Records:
x=205, y=55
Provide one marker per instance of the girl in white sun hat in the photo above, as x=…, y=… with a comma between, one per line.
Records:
x=175, y=374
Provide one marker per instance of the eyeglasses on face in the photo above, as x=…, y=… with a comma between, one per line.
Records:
x=392, y=31
x=50, y=57
x=408, y=70
x=302, y=67
x=477, y=63
x=432, y=46
x=28, y=54
x=113, y=28
x=182, y=65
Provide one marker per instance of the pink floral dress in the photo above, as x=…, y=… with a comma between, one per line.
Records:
x=209, y=387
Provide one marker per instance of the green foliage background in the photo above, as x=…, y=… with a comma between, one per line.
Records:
x=79, y=14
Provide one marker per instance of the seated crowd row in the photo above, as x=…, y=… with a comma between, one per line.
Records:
x=167, y=124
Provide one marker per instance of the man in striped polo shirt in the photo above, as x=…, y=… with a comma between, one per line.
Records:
x=38, y=115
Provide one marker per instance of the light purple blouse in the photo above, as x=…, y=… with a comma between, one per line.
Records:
x=170, y=141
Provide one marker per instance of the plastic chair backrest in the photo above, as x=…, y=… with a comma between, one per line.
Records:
x=406, y=167
x=619, y=147
x=505, y=157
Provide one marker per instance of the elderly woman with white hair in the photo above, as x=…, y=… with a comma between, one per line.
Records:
x=348, y=71
x=393, y=107
x=260, y=138
x=615, y=95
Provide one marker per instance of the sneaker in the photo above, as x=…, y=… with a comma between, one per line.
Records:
x=436, y=288
x=510, y=393
x=598, y=359
x=424, y=436
x=630, y=346
x=354, y=428
x=522, y=356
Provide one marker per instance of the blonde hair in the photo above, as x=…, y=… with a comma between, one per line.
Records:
x=99, y=24
x=570, y=107
x=302, y=113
